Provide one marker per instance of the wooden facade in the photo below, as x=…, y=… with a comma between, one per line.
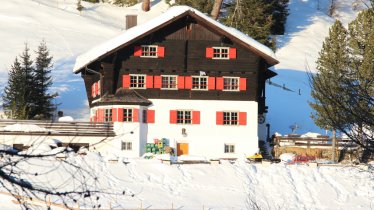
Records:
x=185, y=40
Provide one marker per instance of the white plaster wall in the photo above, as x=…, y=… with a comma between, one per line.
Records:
x=207, y=138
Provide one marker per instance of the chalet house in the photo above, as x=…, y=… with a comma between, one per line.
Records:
x=183, y=77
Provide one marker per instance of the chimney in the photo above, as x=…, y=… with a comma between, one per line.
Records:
x=131, y=21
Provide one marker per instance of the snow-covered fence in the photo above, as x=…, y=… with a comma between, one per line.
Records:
x=35, y=127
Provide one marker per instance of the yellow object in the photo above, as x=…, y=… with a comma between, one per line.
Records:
x=160, y=144
x=255, y=156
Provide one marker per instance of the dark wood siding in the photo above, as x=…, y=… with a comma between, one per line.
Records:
x=185, y=43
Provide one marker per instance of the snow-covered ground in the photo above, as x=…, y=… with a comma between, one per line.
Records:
x=153, y=185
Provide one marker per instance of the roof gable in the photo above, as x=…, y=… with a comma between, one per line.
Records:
x=169, y=16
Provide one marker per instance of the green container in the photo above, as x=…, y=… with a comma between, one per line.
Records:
x=148, y=145
x=148, y=149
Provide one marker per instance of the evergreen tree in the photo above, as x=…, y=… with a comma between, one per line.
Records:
x=27, y=68
x=14, y=92
x=42, y=100
x=279, y=11
x=252, y=17
x=331, y=65
x=343, y=88
x=204, y=6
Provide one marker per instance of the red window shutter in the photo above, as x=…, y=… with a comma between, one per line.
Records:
x=120, y=114
x=101, y=115
x=135, y=115
x=157, y=82
x=180, y=82
x=149, y=82
x=138, y=51
x=242, y=118
x=173, y=116
x=209, y=52
x=126, y=81
x=196, y=117
x=97, y=88
x=188, y=82
x=232, y=53
x=219, y=118
x=93, y=90
x=243, y=84
x=114, y=115
x=160, y=52
x=219, y=83
x=151, y=116
x=211, y=83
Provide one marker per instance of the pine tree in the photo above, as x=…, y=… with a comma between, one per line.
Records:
x=253, y=18
x=14, y=92
x=27, y=68
x=331, y=65
x=42, y=100
x=279, y=12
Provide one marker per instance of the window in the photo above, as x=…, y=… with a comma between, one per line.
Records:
x=230, y=118
x=127, y=115
x=221, y=53
x=126, y=146
x=231, y=83
x=199, y=83
x=149, y=51
x=229, y=148
x=184, y=117
x=145, y=116
x=137, y=81
x=108, y=115
x=169, y=82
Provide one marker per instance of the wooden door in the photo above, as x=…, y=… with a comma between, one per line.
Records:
x=182, y=149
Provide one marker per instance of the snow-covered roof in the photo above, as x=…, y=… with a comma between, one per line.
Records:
x=132, y=33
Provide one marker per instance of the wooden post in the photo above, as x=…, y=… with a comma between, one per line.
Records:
x=146, y=5
x=333, y=145
x=216, y=9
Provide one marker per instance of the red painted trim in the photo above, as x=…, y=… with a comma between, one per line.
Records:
x=138, y=51
x=120, y=114
x=173, y=116
x=150, y=116
x=211, y=83
x=180, y=82
x=196, y=117
x=126, y=81
x=242, y=118
x=101, y=115
x=188, y=82
x=135, y=115
x=232, y=53
x=157, y=82
x=219, y=118
x=114, y=115
x=160, y=52
x=209, y=52
x=149, y=82
x=219, y=85
x=243, y=84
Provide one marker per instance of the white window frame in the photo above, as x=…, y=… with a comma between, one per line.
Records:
x=229, y=148
x=184, y=120
x=126, y=145
x=137, y=81
x=230, y=120
x=108, y=115
x=169, y=77
x=220, y=54
x=127, y=115
x=231, y=78
x=146, y=51
x=200, y=84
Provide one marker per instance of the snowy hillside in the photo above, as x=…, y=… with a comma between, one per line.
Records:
x=69, y=33
x=307, y=26
x=239, y=186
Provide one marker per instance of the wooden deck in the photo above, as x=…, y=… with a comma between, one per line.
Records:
x=61, y=128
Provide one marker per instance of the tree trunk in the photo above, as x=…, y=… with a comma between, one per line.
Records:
x=216, y=9
x=146, y=5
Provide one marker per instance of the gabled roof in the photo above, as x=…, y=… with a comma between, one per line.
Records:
x=156, y=23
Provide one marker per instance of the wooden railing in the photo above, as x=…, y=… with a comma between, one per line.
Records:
x=312, y=142
x=61, y=128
